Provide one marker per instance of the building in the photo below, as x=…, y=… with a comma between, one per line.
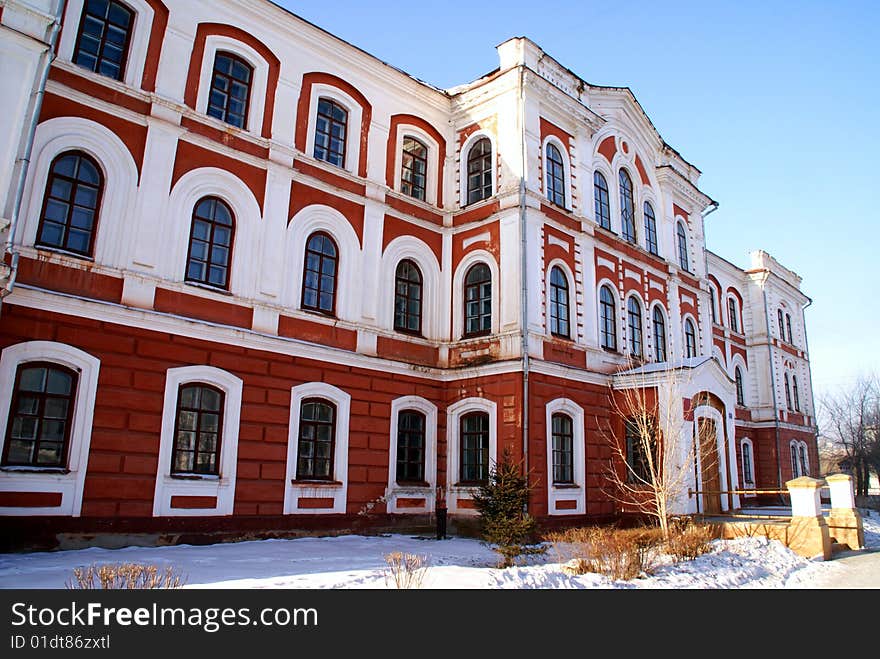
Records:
x=259, y=279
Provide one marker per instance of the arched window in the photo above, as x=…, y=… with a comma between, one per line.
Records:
x=659, y=335
x=478, y=300
x=634, y=322
x=104, y=34
x=788, y=328
x=559, y=325
x=197, y=430
x=740, y=396
x=747, y=462
x=650, y=229
x=230, y=89
x=795, y=463
x=690, y=339
x=627, y=207
x=70, y=204
x=408, y=298
x=563, y=449
x=731, y=313
x=601, y=202
x=781, y=324
x=607, y=319
x=804, y=463
x=410, y=447
x=787, y=393
x=555, y=176
x=317, y=437
x=414, y=168
x=40, y=416
x=331, y=128
x=712, y=303
x=794, y=389
x=479, y=171
x=210, y=243
x=474, y=448
x=319, y=276
x=683, y=260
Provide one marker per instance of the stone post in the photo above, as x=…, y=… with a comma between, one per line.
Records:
x=807, y=533
x=844, y=521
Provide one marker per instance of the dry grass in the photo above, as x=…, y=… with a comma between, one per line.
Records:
x=125, y=576
x=405, y=570
x=620, y=554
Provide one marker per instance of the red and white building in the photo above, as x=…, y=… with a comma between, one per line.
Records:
x=257, y=279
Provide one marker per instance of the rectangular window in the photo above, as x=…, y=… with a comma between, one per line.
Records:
x=563, y=449
x=317, y=440
x=230, y=89
x=474, y=448
x=102, y=41
x=197, y=430
x=410, y=447
x=640, y=438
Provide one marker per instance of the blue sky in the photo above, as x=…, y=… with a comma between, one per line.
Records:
x=775, y=102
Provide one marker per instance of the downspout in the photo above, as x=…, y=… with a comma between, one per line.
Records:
x=524, y=297
x=23, y=162
x=773, y=385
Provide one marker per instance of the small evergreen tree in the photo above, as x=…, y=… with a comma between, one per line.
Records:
x=501, y=503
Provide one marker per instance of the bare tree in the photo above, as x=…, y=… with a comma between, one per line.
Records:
x=657, y=453
x=851, y=420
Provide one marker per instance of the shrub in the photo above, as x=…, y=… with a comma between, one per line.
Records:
x=689, y=540
x=405, y=570
x=502, y=503
x=620, y=554
x=125, y=576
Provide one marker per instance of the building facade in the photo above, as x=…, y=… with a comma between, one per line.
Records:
x=255, y=276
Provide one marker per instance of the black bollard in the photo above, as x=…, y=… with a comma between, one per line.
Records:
x=441, y=523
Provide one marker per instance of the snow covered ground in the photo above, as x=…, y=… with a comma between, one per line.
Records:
x=358, y=562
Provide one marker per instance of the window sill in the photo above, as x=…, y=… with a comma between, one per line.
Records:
x=566, y=486
x=413, y=484
x=195, y=477
x=64, y=252
x=470, y=484
x=208, y=287
x=315, y=483
x=317, y=312
x=26, y=469
x=612, y=351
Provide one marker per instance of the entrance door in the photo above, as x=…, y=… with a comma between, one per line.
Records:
x=711, y=477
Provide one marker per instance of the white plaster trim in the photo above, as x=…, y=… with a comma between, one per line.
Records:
x=259, y=78
x=310, y=219
x=478, y=238
x=476, y=256
x=115, y=221
x=655, y=284
x=396, y=491
x=554, y=240
x=337, y=491
x=192, y=187
x=566, y=171
x=453, y=415
x=555, y=492
x=632, y=274
x=608, y=263
x=139, y=38
x=410, y=247
x=70, y=485
x=433, y=158
x=352, y=127
x=223, y=487
x=463, y=160
x=573, y=316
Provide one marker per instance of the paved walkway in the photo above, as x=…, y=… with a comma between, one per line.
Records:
x=862, y=570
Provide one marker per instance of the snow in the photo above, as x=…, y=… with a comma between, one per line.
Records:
x=459, y=563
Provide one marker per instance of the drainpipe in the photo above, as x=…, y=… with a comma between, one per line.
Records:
x=773, y=384
x=524, y=294
x=23, y=162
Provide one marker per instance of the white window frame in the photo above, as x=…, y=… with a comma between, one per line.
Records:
x=259, y=80
x=471, y=258
x=321, y=90
x=697, y=343
x=413, y=249
x=747, y=442
x=433, y=157
x=566, y=171
x=396, y=491
x=578, y=490
x=139, y=40
x=70, y=483
x=667, y=343
x=222, y=487
x=687, y=242
x=642, y=312
x=619, y=324
x=337, y=487
x=462, y=168
x=454, y=412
